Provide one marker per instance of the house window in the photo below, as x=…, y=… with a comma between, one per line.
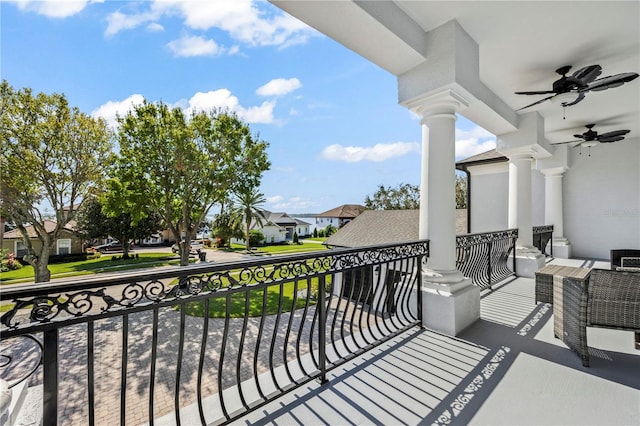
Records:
x=64, y=246
x=21, y=249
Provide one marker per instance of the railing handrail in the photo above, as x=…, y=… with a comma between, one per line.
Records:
x=40, y=289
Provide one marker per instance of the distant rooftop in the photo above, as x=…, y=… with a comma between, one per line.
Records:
x=345, y=211
x=491, y=156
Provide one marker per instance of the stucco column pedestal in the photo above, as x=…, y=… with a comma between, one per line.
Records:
x=450, y=302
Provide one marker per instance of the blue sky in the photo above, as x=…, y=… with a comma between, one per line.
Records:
x=330, y=116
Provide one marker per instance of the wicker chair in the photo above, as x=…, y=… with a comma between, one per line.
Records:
x=617, y=255
x=611, y=300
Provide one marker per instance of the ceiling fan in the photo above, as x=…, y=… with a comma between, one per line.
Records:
x=591, y=138
x=571, y=89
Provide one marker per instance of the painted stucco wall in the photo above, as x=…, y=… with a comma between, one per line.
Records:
x=602, y=199
x=489, y=197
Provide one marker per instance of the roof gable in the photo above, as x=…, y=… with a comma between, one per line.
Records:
x=345, y=211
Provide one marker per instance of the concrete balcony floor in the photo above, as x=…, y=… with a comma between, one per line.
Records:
x=506, y=369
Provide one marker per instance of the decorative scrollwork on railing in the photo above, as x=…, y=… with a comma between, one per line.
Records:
x=45, y=308
x=469, y=240
x=544, y=229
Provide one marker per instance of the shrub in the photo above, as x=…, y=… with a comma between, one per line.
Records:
x=11, y=264
x=315, y=232
x=295, y=238
x=256, y=238
x=94, y=255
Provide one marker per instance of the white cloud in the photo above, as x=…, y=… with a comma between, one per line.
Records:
x=54, y=8
x=279, y=87
x=111, y=109
x=194, y=46
x=378, y=152
x=118, y=21
x=278, y=202
x=474, y=141
x=154, y=27
x=222, y=98
x=241, y=19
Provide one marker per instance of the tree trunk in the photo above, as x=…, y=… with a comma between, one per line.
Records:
x=246, y=241
x=183, y=249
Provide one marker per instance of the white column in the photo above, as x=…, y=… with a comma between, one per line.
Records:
x=528, y=258
x=553, y=213
x=450, y=301
x=520, y=199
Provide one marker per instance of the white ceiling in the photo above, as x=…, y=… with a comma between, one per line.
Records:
x=521, y=44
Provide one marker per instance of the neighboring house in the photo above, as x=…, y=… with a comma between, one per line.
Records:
x=279, y=227
x=339, y=216
x=68, y=242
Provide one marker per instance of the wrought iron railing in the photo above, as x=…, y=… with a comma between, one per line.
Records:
x=484, y=257
x=204, y=344
x=543, y=235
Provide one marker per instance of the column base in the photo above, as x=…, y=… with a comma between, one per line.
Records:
x=528, y=261
x=449, y=307
x=561, y=248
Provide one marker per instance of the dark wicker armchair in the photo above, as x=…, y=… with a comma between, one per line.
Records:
x=617, y=255
x=611, y=300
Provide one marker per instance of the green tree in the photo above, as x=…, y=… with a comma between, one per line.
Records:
x=247, y=209
x=94, y=221
x=329, y=230
x=181, y=167
x=53, y=157
x=403, y=197
x=225, y=227
x=461, y=192
x=295, y=238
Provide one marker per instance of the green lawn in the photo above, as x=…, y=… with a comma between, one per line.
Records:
x=237, y=301
x=93, y=266
x=283, y=248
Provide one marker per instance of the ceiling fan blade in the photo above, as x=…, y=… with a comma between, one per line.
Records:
x=536, y=103
x=609, y=140
x=610, y=82
x=562, y=143
x=588, y=73
x=578, y=99
x=579, y=136
x=613, y=134
x=540, y=92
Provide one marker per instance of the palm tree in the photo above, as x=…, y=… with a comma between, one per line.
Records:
x=247, y=203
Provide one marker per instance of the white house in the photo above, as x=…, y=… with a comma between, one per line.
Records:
x=338, y=216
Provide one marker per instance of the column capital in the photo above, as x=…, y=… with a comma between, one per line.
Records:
x=443, y=103
x=554, y=171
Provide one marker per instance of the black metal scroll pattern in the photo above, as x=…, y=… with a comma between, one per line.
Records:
x=544, y=229
x=44, y=309
x=469, y=240
x=47, y=308
x=374, y=256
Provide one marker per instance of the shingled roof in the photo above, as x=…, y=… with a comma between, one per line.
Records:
x=491, y=156
x=377, y=227
x=345, y=211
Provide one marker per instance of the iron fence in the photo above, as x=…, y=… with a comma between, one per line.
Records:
x=484, y=257
x=204, y=344
x=543, y=235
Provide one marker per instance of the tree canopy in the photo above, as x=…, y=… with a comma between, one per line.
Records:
x=180, y=167
x=403, y=197
x=53, y=156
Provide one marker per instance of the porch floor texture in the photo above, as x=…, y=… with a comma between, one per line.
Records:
x=506, y=369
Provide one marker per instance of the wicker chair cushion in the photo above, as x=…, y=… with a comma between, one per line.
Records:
x=614, y=299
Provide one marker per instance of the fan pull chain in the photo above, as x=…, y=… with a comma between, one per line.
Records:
x=564, y=110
